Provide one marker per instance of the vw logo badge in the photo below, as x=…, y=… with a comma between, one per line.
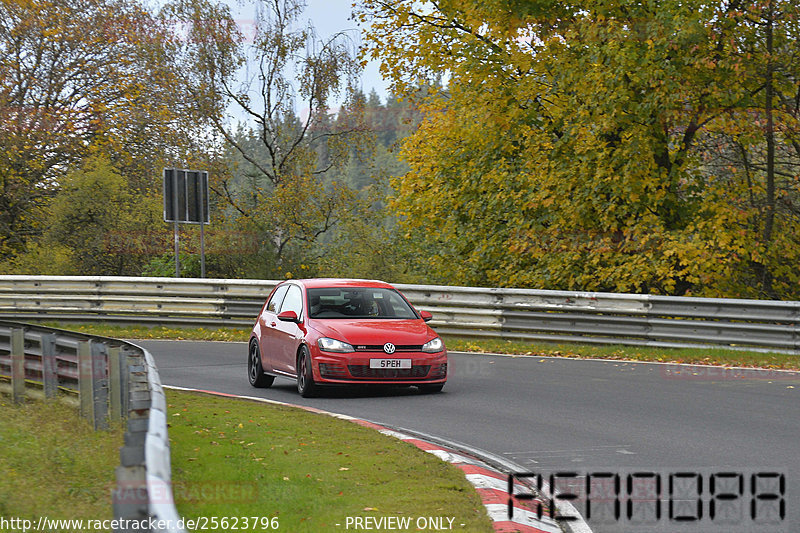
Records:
x=389, y=348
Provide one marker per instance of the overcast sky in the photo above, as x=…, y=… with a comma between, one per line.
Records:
x=328, y=18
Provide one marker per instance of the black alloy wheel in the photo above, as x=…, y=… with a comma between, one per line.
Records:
x=255, y=372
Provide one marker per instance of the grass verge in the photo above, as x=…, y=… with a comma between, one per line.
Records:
x=234, y=458
x=53, y=464
x=704, y=356
x=156, y=332
x=710, y=356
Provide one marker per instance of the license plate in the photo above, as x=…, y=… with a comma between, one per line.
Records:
x=390, y=363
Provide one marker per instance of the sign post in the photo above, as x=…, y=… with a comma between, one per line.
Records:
x=186, y=201
x=176, y=231
x=200, y=191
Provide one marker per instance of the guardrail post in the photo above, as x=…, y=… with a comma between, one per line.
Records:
x=18, y=365
x=85, y=388
x=131, y=496
x=115, y=386
x=502, y=319
x=100, y=385
x=49, y=365
x=796, y=328
x=143, y=487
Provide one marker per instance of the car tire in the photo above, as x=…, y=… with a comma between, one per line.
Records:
x=255, y=372
x=305, y=375
x=431, y=389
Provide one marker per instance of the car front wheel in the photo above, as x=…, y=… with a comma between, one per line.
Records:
x=255, y=372
x=305, y=377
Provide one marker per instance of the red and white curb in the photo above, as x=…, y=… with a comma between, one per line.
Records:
x=490, y=484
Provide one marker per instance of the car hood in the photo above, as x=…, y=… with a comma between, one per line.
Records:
x=400, y=332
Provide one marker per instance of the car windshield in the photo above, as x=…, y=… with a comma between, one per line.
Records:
x=358, y=302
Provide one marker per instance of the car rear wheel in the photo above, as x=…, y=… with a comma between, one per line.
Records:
x=255, y=372
x=429, y=389
x=305, y=376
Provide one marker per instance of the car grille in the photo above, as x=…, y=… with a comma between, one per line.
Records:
x=379, y=347
x=365, y=372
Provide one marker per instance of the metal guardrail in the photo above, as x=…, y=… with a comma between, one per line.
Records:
x=113, y=380
x=587, y=317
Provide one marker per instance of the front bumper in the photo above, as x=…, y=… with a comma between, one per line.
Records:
x=354, y=368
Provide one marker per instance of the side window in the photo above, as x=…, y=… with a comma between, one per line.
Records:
x=293, y=300
x=277, y=298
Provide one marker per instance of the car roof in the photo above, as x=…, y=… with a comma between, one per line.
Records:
x=318, y=283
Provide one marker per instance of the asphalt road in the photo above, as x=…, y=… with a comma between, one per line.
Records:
x=586, y=417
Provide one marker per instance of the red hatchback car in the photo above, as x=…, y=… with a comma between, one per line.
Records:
x=335, y=332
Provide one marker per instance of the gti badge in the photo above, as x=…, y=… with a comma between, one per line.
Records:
x=389, y=348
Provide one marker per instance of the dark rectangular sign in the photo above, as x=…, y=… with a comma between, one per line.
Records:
x=186, y=192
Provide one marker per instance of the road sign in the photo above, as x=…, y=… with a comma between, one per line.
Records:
x=186, y=202
x=186, y=192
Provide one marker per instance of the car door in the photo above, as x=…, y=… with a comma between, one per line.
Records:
x=268, y=321
x=289, y=334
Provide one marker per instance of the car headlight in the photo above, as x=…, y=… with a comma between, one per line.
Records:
x=332, y=345
x=433, y=346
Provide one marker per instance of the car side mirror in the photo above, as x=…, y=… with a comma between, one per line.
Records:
x=288, y=316
x=426, y=316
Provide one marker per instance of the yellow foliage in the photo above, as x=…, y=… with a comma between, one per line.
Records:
x=563, y=154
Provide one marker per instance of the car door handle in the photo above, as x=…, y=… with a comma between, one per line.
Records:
x=273, y=324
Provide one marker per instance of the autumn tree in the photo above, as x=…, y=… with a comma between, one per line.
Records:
x=81, y=79
x=287, y=153
x=755, y=151
x=569, y=147
x=94, y=223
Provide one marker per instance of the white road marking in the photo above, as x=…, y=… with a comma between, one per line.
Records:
x=499, y=513
x=562, y=452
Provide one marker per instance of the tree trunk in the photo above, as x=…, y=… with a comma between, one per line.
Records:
x=769, y=220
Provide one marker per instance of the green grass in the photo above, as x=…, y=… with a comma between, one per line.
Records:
x=53, y=464
x=236, y=458
x=156, y=332
x=707, y=356
x=231, y=458
x=711, y=356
